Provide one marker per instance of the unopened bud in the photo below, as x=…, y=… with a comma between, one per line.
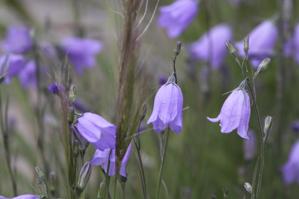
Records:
x=248, y=187
x=246, y=45
x=262, y=66
x=84, y=176
x=232, y=50
x=267, y=126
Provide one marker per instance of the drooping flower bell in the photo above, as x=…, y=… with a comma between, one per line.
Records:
x=96, y=130
x=25, y=196
x=211, y=47
x=235, y=113
x=12, y=65
x=168, y=108
x=176, y=17
x=101, y=158
x=249, y=146
x=290, y=170
x=17, y=40
x=262, y=40
x=81, y=52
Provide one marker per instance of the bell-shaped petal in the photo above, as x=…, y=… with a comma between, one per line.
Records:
x=11, y=65
x=17, y=40
x=290, y=170
x=81, y=52
x=211, y=47
x=168, y=108
x=235, y=113
x=262, y=40
x=101, y=158
x=25, y=196
x=291, y=47
x=27, y=76
x=176, y=17
x=96, y=130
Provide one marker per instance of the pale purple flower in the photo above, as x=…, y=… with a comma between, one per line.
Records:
x=211, y=47
x=168, y=108
x=96, y=130
x=25, y=196
x=81, y=52
x=291, y=47
x=249, y=146
x=176, y=17
x=262, y=40
x=17, y=40
x=290, y=170
x=101, y=158
x=12, y=65
x=235, y=113
x=27, y=76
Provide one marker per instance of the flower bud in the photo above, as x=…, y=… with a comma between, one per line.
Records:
x=84, y=176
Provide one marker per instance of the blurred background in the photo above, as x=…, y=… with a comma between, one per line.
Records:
x=201, y=162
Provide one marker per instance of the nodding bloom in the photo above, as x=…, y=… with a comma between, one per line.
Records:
x=17, y=40
x=291, y=47
x=290, y=170
x=25, y=196
x=235, y=113
x=211, y=47
x=168, y=108
x=81, y=52
x=12, y=65
x=101, y=158
x=249, y=146
x=175, y=18
x=262, y=40
x=96, y=130
x=27, y=76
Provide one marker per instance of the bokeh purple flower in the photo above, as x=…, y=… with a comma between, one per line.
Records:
x=211, y=47
x=262, y=40
x=235, y=113
x=97, y=131
x=249, y=146
x=28, y=75
x=290, y=170
x=17, y=40
x=55, y=88
x=101, y=158
x=291, y=47
x=25, y=196
x=168, y=108
x=176, y=17
x=12, y=65
x=81, y=52
x=295, y=126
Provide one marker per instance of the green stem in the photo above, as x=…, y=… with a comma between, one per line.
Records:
x=162, y=164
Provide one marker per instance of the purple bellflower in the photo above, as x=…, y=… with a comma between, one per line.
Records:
x=262, y=40
x=175, y=18
x=249, y=146
x=25, y=196
x=168, y=108
x=12, y=65
x=97, y=131
x=211, y=47
x=291, y=47
x=235, y=113
x=81, y=52
x=290, y=170
x=101, y=158
x=18, y=39
x=28, y=75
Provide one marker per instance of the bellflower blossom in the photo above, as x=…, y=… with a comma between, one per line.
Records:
x=262, y=40
x=249, y=146
x=235, y=113
x=211, y=47
x=175, y=18
x=96, y=130
x=81, y=52
x=168, y=108
x=17, y=40
x=28, y=75
x=291, y=47
x=12, y=65
x=290, y=170
x=25, y=196
x=101, y=157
